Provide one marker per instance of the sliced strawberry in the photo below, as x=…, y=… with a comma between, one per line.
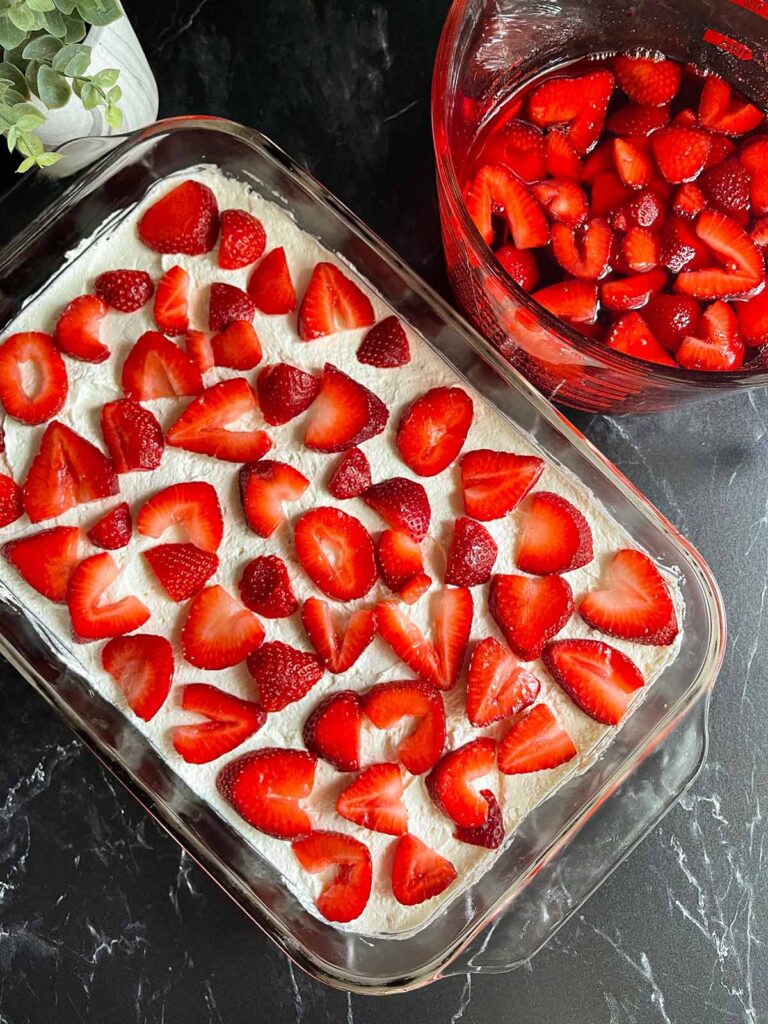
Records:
x=520, y=147
x=78, y=329
x=433, y=429
x=237, y=346
x=92, y=617
x=399, y=557
x=530, y=611
x=565, y=202
x=637, y=119
x=344, y=414
x=418, y=872
x=609, y=194
x=449, y=782
x=759, y=233
x=385, y=345
x=572, y=299
x=270, y=286
x=755, y=158
x=112, y=530
x=338, y=651
x=632, y=336
x=142, y=666
x=172, y=302
x=228, y=304
x=408, y=642
x=352, y=475
x=285, y=391
x=496, y=191
x=680, y=152
x=66, y=471
x=682, y=248
x=453, y=624
x=472, y=554
x=388, y=703
x=580, y=102
x=265, y=588
x=493, y=483
x=157, y=368
x=219, y=631
x=204, y=426
x=721, y=148
x=375, y=800
x=402, y=503
x=642, y=249
x=46, y=560
x=266, y=788
x=193, y=505
x=727, y=187
x=724, y=112
x=199, y=350
x=671, y=317
x=415, y=587
x=647, y=80
x=264, y=487
x=689, y=201
x=345, y=897
x=520, y=264
x=497, y=686
x=336, y=552
x=243, y=239
x=636, y=605
x=585, y=255
x=132, y=435
x=600, y=161
x=181, y=569
x=283, y=674
x=633, y=163
x=753, y=319
x=332, y=302
x=489, y=835
x=184, y=220
x=11, y=507
x=230, y=721
x=124, y=290
x=743, y=263
x=562, y=159
x=718, y=345
x=597, y=677
x=332, y=731
x=632, y=292
x=555, y=536
x=536, y=742
x=37, y=403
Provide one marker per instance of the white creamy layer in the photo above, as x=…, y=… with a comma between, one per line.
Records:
x=92, y=385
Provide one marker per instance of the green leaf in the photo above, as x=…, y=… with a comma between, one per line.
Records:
x=72, y=59
x=47, y=159
x=25, y=165
x=65, y=6
x=52, y=87
x=90, y=96
x=10, y=35
x=12, y=74
x=74, y=28
x=41, y=5
x=30, y=145
x=106, y=78
x=42, y=47
x=55, y=24
x=31, y=75
x=24, y=18
x=114, y=116
x=114, y=95
x=99, y=12
x=11, y=138
x=28, y=122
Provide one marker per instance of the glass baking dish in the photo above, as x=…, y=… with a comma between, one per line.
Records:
x=567, y=846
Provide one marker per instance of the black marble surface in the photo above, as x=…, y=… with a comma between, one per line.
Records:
x=103, y=920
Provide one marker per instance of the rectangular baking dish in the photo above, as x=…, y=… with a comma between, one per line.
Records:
x=573, y=840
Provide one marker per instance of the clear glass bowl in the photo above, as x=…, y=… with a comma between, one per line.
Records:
x=569, y=845
x=487, y=50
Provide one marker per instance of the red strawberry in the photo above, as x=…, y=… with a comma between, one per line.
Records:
x=112, y=530
x=759, y=233
x=351, y=476
x=744, y=264
x=66, y=471
x=449, y=782
x=336, y=552
x=727, y=187
x=332, y=302
x=264, y=486
x=636, y=119
x=530, y=611
x=399, y=557
x=566, y=203
x=720, y=150
x=609, y=194
x=562, y=159
x=193, y=505
x=753, y=318
x=78, y=329
x=497, y=686
x=647, y=80
x=680, y=152
x=493, y=483
x=132, y=435
x=172, y=301
x=237, y=346
x=181, y=569
x=92, y=617
x=636, y=604
x=198, y=346
x=632, y=336
x=520, y=264
x=124, y=290
x=337, y=651
x=332, y=731
x=720, y=348
x=755, y=158
x=285, y=391
x=142, y=666
x=642, y=249
x=385, y=345
x=270, y=287
x=228, y=304
x=496, y=190
x=472, y=554
x=579, y=102
x=11, y=507
x=388, y=703
x=689, y=201
x=572, y=299
x=433, y=429
x=185, y=220
x=230, y=721
x=156, y=368
x=600, y=161
x=555, y=536
x=265, y=588
x=266, y=788
x=402, y=503
x=722, y=111
x=633, y=163
x=414, y=588
x=283, y=674
x=46, y=560
x=375, y=800
x=536, y=742
x=632, y=292
x=344, y=414
x=418, y=872
x=587, y=255
x=218, y=631
x=671, y=317
x=203, y=427
x=490, y=834
x=242, y=240
x=597, y=677
x=345, y=897
x=520, y=147
x=408, y=642
x=681, y=247
x=32, y=404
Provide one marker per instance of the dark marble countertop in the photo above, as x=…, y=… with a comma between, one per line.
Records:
x=103, y=920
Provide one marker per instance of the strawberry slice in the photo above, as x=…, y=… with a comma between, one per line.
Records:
x=453, y=624
x=218, y=631
x=142, y=666
x=755, y=158
x=633, y=163
x=689, y=201
x=571, y=299
x=193, y=505
x=555, y=536
x=336, y=552
x=408, y=642
x=332, y=731
x=399, y=557
x=720, y=348
x=402, y=503
x=721, y=149
x=285, y=391
x=237, y=346
x=489, y=835
x=388, y=703
x=419, y=873
x=497, y=686
x=632, y=292
x=725, y=187
x=496, y=191
x=586, y=256
x=204, y=426
x=632, y=336
x=520, y=264
x=124, y=290
x=66, y=471
x=671, y=317
x=46, y=559
x=579, y=103
x=743, y=262
x=472, y=554
x=332, y=302
x=345, y=897
x=338, y=651
x=759, y=233
x=637, y=119
x=597, y=677
x=414, y=588
x=283, y=674
x=11, y=507
x=132, y=435
x=156, y=368
x=726, y=113
x=650, y=81
x=198, y=346
x=266, y=788
x=642, y=249
x=433, y=429
x=344, y=414
x=385, y=345
x=565, y=202
x=450, y=782
x=181, y=569
x=493, y=483
x=535, y=743
x=230, y=721
x=264, y=486
x=184, y=220
x=636, y=604
x=78, y=329
x=519, y=146
x=92, y=617
x=375, y=800
x=753, y=318
x=270, y=286
x=32, y=403
x=112, y=530
x=243, y=239
x=562, y=159
x=265, y=588
x=609, y=194
x=228, y=304
x=171, y=304
x=352, y=475
x=530, y=611
x=682, y=248
x=680, y=152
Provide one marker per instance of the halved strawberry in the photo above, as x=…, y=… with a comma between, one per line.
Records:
x=332, y=302
x=680, y=152
x=265, y=587
x=46, y=559
x=418, y=872
x=264, y=486
x=142, y=666
x=743, y=265
x=497, y=686
x=172, y=301
x=78, y=329
x=753, y=318
x=132, y=435
x=11, y=507
x=237, y=346
x=632, y=336
x=636, y=605
x=344, y=414
x=564, y=201
x=496, y=191
x=332, y=731
x=718, y=345
x=633, y=163
x=336, y=552
x=726, y=187
x=572, y=299
x=388, y=703
x=402, y=503
x=32, y=403
x=338, y=651
x=415, y=587
x=198, y=346
x=519, y=146
x=92, y=617
x=181, y=569
x=157, y=368
x=755, y=158
x=689, y=201
x=493, y=483
x=385, y=345
x=608, y=195
x=637, y=119
x=555, y=536
x=399, y=557
x=520, y=264
x=66, y=471
x=283, y=674
x=634, y=291
x=230, y=721
x=186, y=220
x=651, y=81
x=375, y=800
x=408, y=642
x=449, y=782
x=219, y=631
x=270, y=286
x=489, y=835
x=471, y=555
x=641, y=249
x=600, y=161
x=227, y=304
x=285, y=391
x=759, y=233
x=124, y=290
x=562, y=159
x=204, y=426
x=579, y=102
x=344, y=898
x=433, y=429
x=242, y=240
x=722, y=147
x=586, y=254
x=530, y=611
x=726, y=113
x=597, y=677
x=352, y=475
x=536, y=742
x=266, y=788
x=671, y=317
x=112, y=530
x=193, y=505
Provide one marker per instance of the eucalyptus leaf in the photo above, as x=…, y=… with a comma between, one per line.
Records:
x=114, y=116
x=41, y=5
x=24, y=18
x=72, y=59
x=55, y=24
x=41, y=48
x=90, y=96
x=28, y=122
x=25, y=165
x=106, y=79
x=14, y=76
x=52, y=88
x=10, y=35
x=65, y=6
x=31, y=75
x=99, y=12
x=114, y=95
x=74, y=28
x=47, y=159
x=11, y=138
